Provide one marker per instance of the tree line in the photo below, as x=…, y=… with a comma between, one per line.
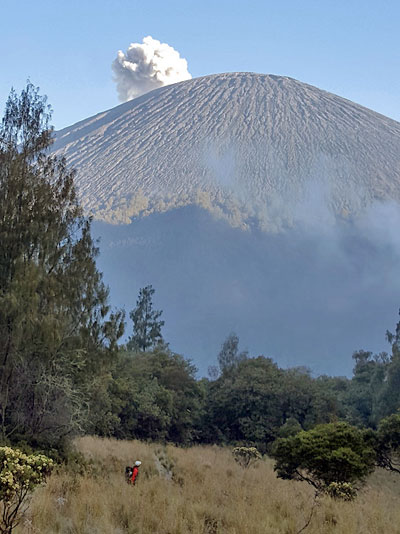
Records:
x=63, y=369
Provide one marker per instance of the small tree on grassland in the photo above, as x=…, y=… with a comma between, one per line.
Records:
x=146, y=322
x=334, y=458
x=20, y=474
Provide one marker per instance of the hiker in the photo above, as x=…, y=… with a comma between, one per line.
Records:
x=135, y=471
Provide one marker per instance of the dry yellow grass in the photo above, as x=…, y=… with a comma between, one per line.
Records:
x=199, y=491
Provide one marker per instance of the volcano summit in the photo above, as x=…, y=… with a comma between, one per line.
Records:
x=247, y=147
x=252, y=203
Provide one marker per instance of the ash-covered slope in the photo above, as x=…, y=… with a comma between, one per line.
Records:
x=247, y=147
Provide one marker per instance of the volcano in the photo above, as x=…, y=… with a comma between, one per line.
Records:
x=252, y=203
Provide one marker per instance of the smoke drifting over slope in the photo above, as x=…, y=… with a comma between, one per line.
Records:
x=147, y=66
x=307, y=296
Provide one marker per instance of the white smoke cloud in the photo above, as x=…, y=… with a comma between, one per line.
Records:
x=147, y=66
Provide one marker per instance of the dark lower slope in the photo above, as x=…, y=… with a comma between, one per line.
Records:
x=304, y=297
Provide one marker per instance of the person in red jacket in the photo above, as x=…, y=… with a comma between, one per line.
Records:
x=135, y=471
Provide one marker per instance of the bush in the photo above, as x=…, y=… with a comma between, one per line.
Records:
x=341, y=490
x=246, y=456
x=19, y=475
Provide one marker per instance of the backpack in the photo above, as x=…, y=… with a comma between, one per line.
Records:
x=128, y=473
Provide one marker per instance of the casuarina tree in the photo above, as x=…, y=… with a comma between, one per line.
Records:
x=56, y=329
x=146, y=323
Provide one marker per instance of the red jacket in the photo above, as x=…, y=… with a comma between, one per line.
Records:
x=134, y=474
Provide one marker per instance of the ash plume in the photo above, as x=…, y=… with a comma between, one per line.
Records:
x=146, y=66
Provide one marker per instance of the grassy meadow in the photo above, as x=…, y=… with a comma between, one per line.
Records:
x=199, y=490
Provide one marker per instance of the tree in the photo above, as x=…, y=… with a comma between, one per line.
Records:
x=146, y=323
x=364, y=397
x=245, y=403
x=290, y=428
x=56, y=329
x=156, y=396
x=228, y=357
x=252, y=400
x=335, y=458
x=386, y=442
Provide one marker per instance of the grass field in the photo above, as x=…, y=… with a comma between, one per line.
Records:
x=199, y=490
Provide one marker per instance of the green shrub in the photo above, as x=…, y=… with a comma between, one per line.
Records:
x=20, y=474
x=334, y=453
x=341, y=490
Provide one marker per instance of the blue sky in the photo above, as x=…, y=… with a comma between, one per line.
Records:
x=351, y=48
